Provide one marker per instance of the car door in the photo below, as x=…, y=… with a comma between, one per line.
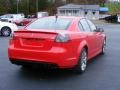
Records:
x=98, y=35
x=91, y=37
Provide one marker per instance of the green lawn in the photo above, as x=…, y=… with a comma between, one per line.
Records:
x=113, y=7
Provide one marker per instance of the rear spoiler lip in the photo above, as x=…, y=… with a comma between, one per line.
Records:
x=26, y=31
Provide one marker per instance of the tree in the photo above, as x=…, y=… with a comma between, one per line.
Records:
x=29, y=6
x=5, y=6
x=102, y=2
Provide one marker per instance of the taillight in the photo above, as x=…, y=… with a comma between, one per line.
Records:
x=12, y=37
x=62, y=38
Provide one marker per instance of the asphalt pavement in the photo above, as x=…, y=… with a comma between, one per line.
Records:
x=103, y=72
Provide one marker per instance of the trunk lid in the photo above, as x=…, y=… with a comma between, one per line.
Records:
x=34, y=39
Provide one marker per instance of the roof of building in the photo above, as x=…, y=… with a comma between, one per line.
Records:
x=84, y=7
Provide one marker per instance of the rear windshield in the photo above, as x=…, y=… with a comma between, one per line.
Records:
x=50, y=24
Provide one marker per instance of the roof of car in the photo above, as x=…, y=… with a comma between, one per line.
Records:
x=69, y=17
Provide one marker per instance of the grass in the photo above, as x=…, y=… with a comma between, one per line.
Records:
x=113, y=7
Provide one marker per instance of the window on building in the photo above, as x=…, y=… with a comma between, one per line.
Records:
x=67, y=11
x=74, y=11
x=62, y=11
x=93, y=12
x=86, y=12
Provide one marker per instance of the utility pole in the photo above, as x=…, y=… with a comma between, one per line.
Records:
x=36, y=7
x=85, y=8
x=17, y=2
x=28, y=6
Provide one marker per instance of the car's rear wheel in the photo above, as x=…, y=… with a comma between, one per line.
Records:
x=82, y=63
x=27, y=67
x=5, y=31
x=103, y=47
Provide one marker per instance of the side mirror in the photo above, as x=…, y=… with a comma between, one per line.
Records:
x=99, y=30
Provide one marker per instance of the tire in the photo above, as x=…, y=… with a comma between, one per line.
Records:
x=26, y=67
x=5, y=31
x=82, y=63
x=103, y=47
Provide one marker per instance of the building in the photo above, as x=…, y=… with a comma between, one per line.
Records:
x=89, y=11
x=114, y=1
x=53, y=1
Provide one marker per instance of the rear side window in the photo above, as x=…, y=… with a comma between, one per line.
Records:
x=85, y=25
x=92, y=26
x=80, y=26
x=50, y=24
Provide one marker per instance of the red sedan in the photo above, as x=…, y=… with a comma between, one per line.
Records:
x=24, y=22
x=63, y=42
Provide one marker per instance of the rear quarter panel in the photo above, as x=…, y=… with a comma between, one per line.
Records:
x=78, y=41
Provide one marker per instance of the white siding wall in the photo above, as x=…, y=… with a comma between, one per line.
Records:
x=76, y=12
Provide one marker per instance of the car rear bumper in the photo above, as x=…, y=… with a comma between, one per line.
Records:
x=60, y=58
x=33, y=63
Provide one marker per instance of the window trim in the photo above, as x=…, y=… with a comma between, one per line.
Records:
x=82, y=26
x=87, y=23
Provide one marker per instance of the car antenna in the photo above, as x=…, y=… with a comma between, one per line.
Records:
x=56, y=16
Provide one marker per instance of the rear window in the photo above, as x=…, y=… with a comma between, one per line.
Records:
x=50, y=24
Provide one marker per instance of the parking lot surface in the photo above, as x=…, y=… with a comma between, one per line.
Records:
x=103, y=73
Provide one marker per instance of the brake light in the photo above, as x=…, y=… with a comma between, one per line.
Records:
x=62, y=38
x=11, y=37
